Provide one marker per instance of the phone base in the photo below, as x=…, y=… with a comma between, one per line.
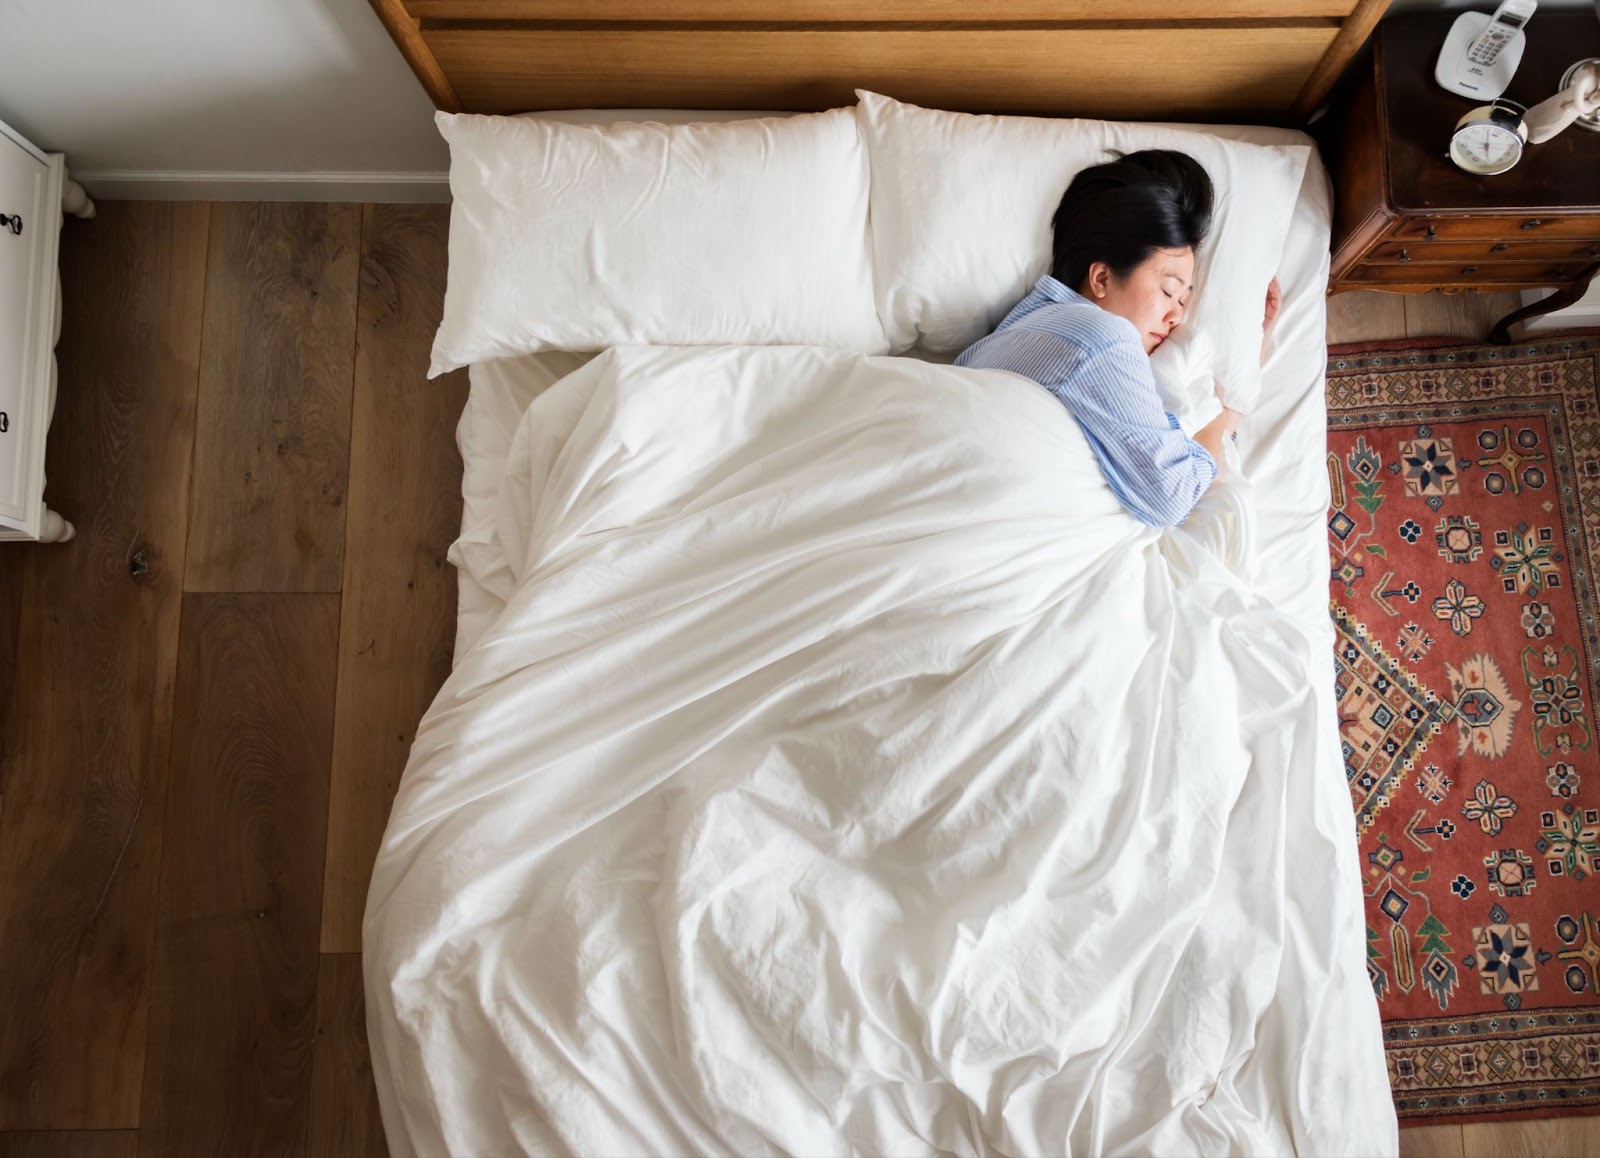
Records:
x=1455, y=73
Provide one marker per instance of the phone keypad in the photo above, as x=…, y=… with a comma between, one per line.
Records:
x=1486, y=49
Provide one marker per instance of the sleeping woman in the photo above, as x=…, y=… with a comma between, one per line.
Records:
x=1120, y=278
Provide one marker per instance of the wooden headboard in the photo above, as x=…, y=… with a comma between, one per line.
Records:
x=1202, y=60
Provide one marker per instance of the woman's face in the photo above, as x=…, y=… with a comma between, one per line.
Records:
x=1152, y=296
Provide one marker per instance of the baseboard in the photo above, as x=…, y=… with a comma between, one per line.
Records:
x=1581, y=314
x=182, y=185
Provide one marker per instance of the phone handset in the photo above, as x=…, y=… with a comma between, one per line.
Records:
x=1502, y=28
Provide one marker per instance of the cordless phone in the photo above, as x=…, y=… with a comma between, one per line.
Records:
x=1482, y=52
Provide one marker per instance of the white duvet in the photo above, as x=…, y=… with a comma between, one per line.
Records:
x=847, y=773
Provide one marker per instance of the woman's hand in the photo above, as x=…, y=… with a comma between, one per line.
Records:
x=1215, y=433
x=1270, y=318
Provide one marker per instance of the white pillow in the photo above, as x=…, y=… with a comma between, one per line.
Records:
x=582, y=237
x=1186, y=371
x=961, y=209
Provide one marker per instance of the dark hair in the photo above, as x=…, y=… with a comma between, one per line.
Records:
x=1124, y=210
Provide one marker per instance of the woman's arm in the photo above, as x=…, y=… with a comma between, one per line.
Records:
x=1270, y=318
x=1157, y=471
x=1214, y=433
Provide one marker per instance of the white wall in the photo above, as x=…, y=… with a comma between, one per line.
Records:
x=238, y=98
x=146, y=96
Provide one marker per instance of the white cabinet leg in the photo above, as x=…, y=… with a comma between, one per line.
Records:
x=75, y=201
x=54, y=529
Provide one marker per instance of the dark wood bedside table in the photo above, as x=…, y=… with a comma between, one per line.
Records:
x=1406, y=219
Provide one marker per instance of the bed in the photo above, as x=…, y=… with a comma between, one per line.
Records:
x=830, y=766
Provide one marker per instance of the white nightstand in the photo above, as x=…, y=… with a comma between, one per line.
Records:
x=34, y=192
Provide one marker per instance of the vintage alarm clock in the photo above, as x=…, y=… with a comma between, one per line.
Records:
x=1489, y=139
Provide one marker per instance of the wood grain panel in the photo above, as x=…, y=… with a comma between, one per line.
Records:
x=233, y=1000
x=1497, y=275
x=345, y=1122
x=1468, y=316
x=69, y=1144
x=89, y=728
x=1365, y=316
x=13, y=562
x=1352, y=145
x=273, y=431
x=1430, y=1142
x=1521, y=226
x=1547, y=1138
x=1582, y=252
x=1162, y=72
x=405, y=511
x=878, y=12
x=403, y=31
x=1483, y=280
x=1352, y=35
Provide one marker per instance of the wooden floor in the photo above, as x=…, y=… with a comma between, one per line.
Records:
x=215, y=685
x=1372, y=317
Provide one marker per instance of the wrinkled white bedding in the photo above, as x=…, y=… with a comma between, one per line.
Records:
x=847, y=773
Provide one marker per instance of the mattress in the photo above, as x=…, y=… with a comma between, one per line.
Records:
x=1314, y=1081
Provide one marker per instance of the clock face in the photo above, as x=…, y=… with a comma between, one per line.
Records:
x=1485, y=148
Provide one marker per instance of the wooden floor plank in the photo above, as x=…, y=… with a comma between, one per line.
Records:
x=90, y=718
x=13, y=562
x=405, y=511
x=69, y=1144
x=1542, y=1138
x=1365, y=316
x=344, y=1103
x=1461, y=315
x=273, y=431
x=233, y=1002
x=1430, y=1142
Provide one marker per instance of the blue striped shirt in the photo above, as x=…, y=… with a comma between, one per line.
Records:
x=1094, y=362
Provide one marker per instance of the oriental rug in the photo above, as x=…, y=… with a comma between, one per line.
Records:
x=1464, y=553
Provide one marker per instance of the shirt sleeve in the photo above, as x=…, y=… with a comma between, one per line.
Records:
x=1156, y=470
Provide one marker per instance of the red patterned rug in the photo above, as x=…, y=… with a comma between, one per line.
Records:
x=1464, y=539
